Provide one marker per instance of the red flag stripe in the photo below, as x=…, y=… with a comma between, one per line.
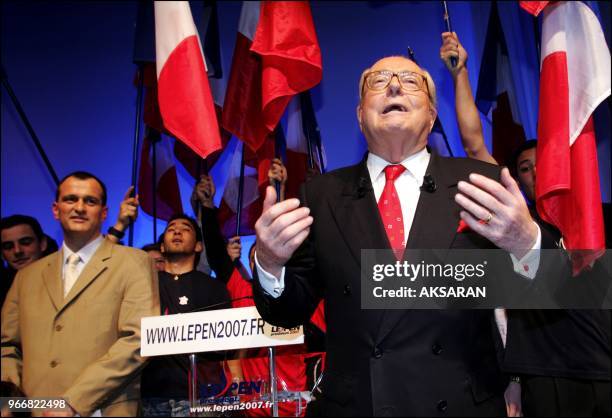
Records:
x=190, y=117
x=281, y=59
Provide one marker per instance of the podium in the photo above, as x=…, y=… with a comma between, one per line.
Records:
x=214, y=331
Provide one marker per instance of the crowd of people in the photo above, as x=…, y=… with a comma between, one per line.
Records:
x=71, y=315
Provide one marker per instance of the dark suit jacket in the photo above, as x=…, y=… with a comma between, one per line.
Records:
x=389, y=362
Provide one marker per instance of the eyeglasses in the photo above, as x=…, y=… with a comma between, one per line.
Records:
x=409, y=81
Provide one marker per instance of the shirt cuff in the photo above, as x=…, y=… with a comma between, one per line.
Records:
x=270, y=284
x=529, y=264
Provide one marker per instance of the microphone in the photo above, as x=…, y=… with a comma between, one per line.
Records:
x=429, y=184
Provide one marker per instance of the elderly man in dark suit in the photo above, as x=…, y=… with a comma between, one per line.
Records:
x=395, y=362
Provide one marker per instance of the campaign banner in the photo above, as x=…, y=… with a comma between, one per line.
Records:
x=218, y=330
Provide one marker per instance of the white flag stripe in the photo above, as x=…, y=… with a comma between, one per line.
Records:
x=572, y=27
x=173, y=23
x=296, y=140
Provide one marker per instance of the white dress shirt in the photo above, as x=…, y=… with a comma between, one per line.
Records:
x=84, y=254
x=408, y=186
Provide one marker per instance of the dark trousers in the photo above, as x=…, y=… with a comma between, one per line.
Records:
x=544, y=396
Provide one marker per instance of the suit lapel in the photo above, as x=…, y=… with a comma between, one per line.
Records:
x=434, y=226
x=437, y=216
x=52, y=278
x=91, y=272
x=356, y=214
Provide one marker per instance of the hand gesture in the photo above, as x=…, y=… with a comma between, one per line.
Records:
x=452, y=48
x=498, y=212
x=280, y=230
x=204, y=191
x=234, y=248
x=277, y=172
x=128, y=210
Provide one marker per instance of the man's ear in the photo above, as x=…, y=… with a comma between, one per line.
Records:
x=434, y=114
x=104, y=213
x=161, y=248
x=359, y=111
x=55, y=210
x=43, y=244
x=199, y=247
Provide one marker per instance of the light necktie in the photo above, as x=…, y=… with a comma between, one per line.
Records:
x=391, y=209
x=70, y=272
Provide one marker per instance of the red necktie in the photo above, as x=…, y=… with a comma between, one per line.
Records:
x=391, y=210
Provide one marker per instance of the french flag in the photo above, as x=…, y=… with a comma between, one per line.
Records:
x=276, y=56
x=208, y=28
x=184, y=94
x=574, y=80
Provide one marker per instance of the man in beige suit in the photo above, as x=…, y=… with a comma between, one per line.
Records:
x=71, y=321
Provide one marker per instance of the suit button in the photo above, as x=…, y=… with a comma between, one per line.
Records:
x=436, y=349
x=53, y=364
x=442, y=405
x=347, y=290
x=58, y=327
x=377, y=353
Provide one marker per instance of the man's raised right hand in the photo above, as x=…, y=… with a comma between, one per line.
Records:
x=281, y=229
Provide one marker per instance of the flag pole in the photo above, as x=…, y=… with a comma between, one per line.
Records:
x=538, y=37
x=240, y=191
x=279, y=140
x=306, y=106
x=319, y=151
x=449, y=28
x=437, y=122
x=201, y=164
x=27, y=124
x=154, y=185
x=306, y=133
x=136, y=141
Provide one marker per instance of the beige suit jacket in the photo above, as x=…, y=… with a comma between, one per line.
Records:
x=85, y=347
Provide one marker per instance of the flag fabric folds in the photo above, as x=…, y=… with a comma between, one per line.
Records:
x=495, y=94
x=208, y=27
x=256, y=165
x=534, y=7
x=158, y=187
x=276, y=56
x=159, y=183
x=184, y=94
x=302, y=143
x=574, y=80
